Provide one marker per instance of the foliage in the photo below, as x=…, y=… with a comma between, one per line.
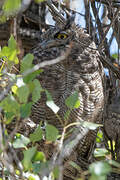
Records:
x=99, y=170
x=17, y=105
x=9, y=9
x=12, y=9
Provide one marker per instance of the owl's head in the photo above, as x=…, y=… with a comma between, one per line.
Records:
x=61, y=35
x=71, y=40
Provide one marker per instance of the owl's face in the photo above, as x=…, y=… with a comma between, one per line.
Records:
x=72, y=41
x=57, y=36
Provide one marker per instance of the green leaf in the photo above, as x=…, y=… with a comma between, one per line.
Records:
x=19, y=82
x=50, y=103
x=9, y=53
x=39, y=156
x=16, y=60
x=17, y=172
x=89, y=125
x=9, y=104
x=51, y=133
x=10, y=7
x=100, y=152
x=28, y=156
x=115, y=56
x=9, y=117
x=5, y=52
x=13, y=57
x=31, y=178
x=37, y=90
x=99, y=137
x=100, y=168
x=12, y=43
x=26, y=63
x=25, y=110
x=37, y=135
x=14, y=89
x=73, y=101
x=36, y=167
x=32, y=75
x=23, y=93
x=21, y=141
x=39, y=167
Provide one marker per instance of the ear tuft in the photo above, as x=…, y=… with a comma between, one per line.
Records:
x=69, y=21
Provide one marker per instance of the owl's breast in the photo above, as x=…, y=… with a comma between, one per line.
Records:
x=79, y=71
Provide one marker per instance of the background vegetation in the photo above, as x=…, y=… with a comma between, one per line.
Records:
x=22, y=23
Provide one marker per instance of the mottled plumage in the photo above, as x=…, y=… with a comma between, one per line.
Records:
x=81, y=71
x=112, y=126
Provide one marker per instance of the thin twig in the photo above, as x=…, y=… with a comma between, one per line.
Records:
x=112, y=22
x=55, y=12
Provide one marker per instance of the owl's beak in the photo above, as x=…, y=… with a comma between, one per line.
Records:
x=48, y=44
x=51, y=43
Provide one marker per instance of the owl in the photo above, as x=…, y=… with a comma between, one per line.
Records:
x=80, y=71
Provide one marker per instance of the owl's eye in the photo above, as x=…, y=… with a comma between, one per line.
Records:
x=61, y=36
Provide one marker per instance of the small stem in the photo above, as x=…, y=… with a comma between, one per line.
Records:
x=59, y=118
x=2, y=66
x=72, y=124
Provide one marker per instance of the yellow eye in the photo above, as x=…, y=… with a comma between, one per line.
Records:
x=61, y=36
